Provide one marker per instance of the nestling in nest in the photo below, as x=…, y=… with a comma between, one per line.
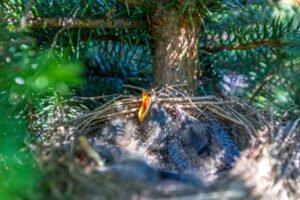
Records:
x=169, y=144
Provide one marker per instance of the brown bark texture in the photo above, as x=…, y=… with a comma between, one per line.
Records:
x=175, y=50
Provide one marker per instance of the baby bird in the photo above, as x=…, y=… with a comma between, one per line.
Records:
x=207, y=139
x=192, y=132
x=223, y=144
x=188, y=143
x=118, y=138
x=185, y=144
x=156, y=124
x=171, y=143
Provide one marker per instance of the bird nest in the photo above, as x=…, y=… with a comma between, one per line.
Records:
x=268, y=166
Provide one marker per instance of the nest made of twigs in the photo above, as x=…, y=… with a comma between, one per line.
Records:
x=268, y=166
x=242, y=120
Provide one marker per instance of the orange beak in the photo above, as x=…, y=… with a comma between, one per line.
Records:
x=144, y=109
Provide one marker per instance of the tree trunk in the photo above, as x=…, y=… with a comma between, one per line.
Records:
x=175, y=50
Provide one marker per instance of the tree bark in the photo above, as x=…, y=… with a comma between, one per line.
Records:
x=175, y=50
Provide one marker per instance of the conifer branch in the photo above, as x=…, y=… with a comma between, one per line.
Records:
x=75, y=23
x=246, y=46
x=264, y=82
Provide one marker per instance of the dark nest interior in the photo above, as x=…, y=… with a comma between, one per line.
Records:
x=84, y=160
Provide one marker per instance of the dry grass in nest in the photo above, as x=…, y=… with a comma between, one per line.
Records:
x=242, y=120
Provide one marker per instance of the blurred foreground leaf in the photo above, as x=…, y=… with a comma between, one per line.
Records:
x=27, y=75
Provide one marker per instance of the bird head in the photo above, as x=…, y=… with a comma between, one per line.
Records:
x=146, y=104
x=180, y=114
x=152, y=112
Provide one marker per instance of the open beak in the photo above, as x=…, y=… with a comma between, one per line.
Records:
x=144, y=109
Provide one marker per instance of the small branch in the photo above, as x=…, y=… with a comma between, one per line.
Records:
x=262, y=85
x=26, y=15
x=246, y=46
x=112, y=38
x=75, y=23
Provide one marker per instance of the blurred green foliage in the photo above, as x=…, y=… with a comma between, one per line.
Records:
x=28, y=75
x=18, y=175
x=266, y=75
x=27, y=72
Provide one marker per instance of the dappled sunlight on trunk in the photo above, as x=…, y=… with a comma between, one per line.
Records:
x=176, y=51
